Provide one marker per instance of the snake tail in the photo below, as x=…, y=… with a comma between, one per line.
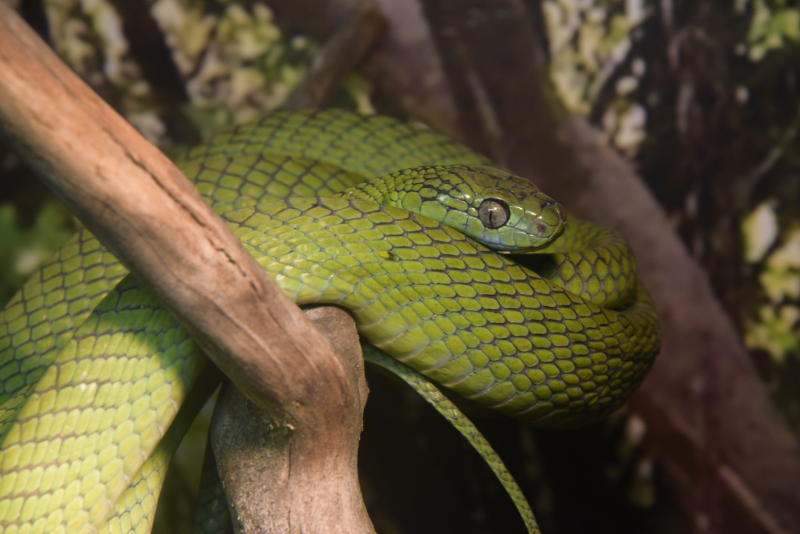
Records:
x=453, y=415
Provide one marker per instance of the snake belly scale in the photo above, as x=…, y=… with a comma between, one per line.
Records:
x=93, y=371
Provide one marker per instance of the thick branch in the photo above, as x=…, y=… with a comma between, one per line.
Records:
x=144, y=210
x=262, y=470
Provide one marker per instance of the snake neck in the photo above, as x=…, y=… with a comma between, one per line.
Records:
x=399, y=189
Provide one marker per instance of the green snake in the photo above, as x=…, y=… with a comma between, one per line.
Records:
x=423, y=241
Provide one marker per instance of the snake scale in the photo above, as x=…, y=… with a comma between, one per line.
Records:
x=93, y=371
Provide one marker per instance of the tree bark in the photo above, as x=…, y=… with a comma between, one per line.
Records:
x=145, y=211
x=258, y=462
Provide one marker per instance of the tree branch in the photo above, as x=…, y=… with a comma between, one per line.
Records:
x=261, y=474
x=144, y=210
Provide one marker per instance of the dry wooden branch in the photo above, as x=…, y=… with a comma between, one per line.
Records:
x=261, y=474
x=144, y=210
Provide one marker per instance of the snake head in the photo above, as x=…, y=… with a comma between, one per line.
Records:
x=507, y=213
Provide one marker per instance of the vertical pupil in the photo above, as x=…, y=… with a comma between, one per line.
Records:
x=493, y=213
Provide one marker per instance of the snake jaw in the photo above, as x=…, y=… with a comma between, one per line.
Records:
x=547, y=221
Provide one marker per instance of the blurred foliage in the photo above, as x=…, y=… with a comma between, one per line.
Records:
x=774, y=25
x=600, y=64
x=237, y=63
x=26, y=247
x=775, y=325
x=234, y=61
x=589, y=41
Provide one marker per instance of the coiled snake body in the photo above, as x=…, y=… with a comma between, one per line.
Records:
x=92, y=370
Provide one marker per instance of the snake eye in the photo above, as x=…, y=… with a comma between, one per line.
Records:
x=493, y=213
